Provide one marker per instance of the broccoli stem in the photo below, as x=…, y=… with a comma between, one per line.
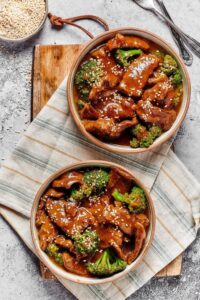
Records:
x=118, y=196
x=136, y=200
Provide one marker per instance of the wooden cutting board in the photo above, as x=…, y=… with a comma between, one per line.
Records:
x=50, y=66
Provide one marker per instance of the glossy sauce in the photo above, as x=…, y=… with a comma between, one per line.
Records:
x=61, y=219
x=111, y=109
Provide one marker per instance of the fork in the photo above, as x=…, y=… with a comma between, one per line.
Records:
x=184, y=52
x=190, y=41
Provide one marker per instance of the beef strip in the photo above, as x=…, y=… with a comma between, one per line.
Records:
x=121, y=41
x=112, y=73
x=68, y=179
x=161, y=94
x=108, y=235
x=119, y=180
x=111, y=237
x=53, y=193
x=109, y=105
x=88, y=112
x=106, y=213
x=47, y=231
x=57, y=212
x=107, y=129
x=120, y=217
x=82, y=220
x=123, y=221
x=140, y=236
x=99, y=53
x=62, y=242
x=71, y=208
x=158, y=76
x=142, y=219
x=96, y=207
x=42, y=203
x=137, y=75
x=113, y=105
x=71, y=265
x=109, y=81
x=154, y=115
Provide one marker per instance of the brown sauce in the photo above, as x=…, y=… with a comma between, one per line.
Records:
x=60, y=219
x=117, y=82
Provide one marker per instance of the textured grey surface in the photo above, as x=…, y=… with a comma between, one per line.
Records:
x=19, y=273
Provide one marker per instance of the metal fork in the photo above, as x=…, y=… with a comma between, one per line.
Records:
x=190, y=41
x=184, y=52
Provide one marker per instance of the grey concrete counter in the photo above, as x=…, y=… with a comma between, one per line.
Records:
x=19, y=273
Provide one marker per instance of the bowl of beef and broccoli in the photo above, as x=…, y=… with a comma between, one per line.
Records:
x=92, y=222
x=128, y=91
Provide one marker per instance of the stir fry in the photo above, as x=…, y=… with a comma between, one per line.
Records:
x=128, y=91
x=93, y=222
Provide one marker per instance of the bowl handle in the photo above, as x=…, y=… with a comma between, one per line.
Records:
x=58, y=22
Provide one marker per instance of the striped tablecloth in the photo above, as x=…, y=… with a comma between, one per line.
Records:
x=52, y=141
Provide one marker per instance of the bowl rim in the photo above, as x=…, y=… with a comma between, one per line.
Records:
x=59, y=273
x=115, y=147
x=29, y=36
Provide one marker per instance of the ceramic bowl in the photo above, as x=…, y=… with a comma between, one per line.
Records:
x=101, y=39
x=59, y=272
x=32, y=34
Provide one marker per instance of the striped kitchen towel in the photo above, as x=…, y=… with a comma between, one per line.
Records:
x=52, y=141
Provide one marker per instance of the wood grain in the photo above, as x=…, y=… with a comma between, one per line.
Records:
x=173, y=269
x=50, y=65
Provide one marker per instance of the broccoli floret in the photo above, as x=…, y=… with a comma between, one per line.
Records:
x=178, y=95
x=143, y=136
x=87, y=242
x=170, y=68
x=147, y=140
x=138, y=130
x=107, y=264
x=155, y=131
x=89, y=73
x=169, y=65
x=84, y=93
x=53, y=251
x=58, y=258
x=160, y=54
x=134, y=143
x=83, y=191
x=96, y=179
x=76, y=194
x=177, y=77
x=94, y=182
x=81, y=104
x=124, y=57
x=136, y=200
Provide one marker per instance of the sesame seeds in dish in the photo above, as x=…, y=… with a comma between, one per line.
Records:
x=128, y=91
x=93, y=221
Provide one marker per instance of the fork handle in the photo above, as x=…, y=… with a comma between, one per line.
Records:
x=186, y=55
x=190, y=41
